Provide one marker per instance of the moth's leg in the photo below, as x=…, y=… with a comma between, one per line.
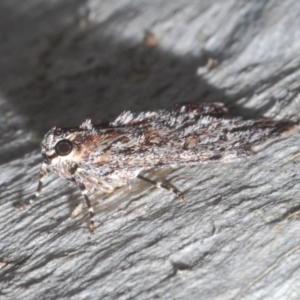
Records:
x=43, y=175
x=89, y=205
x=159, y=184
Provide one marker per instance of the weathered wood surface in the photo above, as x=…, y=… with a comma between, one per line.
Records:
x=237, y=236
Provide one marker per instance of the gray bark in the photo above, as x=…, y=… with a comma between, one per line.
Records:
x=236, y=237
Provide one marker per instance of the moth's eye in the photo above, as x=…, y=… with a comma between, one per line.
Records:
x=63, y=147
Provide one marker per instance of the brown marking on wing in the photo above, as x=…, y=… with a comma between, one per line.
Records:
x=105, y=158
x=191, y=142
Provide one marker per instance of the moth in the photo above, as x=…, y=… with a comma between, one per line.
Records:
x=106, y=156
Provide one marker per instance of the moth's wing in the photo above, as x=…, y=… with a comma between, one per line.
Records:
x=213, y=109
x=191, y=134
x=188, y=134
x=188, y=111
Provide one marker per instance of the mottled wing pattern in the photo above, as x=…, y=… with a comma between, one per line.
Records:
x=105, y=156
x=188, y=134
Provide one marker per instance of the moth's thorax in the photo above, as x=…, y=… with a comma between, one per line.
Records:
x=84, y=156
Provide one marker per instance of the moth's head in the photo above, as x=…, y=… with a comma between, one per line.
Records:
x=74, y=145
x=60, y=143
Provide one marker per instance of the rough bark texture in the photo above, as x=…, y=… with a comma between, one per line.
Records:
x=237, y=236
